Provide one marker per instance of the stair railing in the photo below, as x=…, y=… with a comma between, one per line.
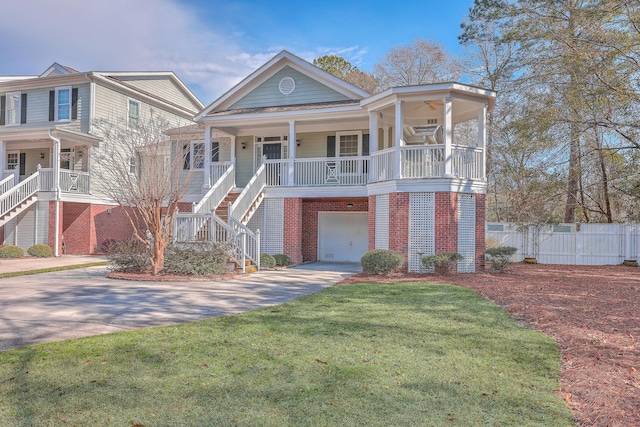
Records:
x=247, y=241
x=7, y=183
x=249, y=195
x=19, y=193
x=217, y=193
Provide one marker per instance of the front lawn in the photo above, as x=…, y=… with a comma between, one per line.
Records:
x=367, y=354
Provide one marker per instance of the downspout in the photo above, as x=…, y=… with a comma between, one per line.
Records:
x=56, y=189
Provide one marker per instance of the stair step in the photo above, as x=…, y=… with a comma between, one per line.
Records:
x=250, y=269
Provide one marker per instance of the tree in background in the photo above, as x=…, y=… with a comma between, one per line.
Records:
x=142, y=170
x=422, y=61
x=340, y=67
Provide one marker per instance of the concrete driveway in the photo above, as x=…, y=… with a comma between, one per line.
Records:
x=77, y=303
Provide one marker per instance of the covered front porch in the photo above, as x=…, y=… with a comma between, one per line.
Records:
x=55, y=159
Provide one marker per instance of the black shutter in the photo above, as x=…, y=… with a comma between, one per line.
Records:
x=23, y=109
x=215, y=151
x=365, y=144
x=74, y=103
x=186, y=153
x=52, y=108
x=3, y=104
x=331, y=146
x=23, y=163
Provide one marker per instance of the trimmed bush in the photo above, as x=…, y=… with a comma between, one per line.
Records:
x=499, y=257
x=381, y=261
x=282, y=260
x=441, y=263
x=198, y=259
x=267, y=261
x=11, y=251
x=40, y=251
x=129, y=255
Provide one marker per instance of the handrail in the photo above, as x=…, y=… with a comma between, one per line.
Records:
x=19, y=194
x=249, y=194
x=247, y=241
x=217, y=193
x=7, y=183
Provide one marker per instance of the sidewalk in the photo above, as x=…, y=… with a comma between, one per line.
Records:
x=33, y=263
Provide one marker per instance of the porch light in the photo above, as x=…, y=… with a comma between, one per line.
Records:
x=244, y=145
x=298, y=141
x=42, y=155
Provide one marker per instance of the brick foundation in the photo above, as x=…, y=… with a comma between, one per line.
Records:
x=446, y=222
x=399, y=226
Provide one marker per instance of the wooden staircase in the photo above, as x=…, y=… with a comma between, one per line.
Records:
x=222, y=211
x=17, y=210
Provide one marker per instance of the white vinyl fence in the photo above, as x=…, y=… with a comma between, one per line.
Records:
x=577, y=244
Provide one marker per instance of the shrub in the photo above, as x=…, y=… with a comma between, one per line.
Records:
x=499, y=257
x=11, y=251
x=40, y=251
x=107, y=246
x=282, y=260
x=381, y=261
x=129, y=255
x=441, y=263
x=267, y=261
x=197, y=259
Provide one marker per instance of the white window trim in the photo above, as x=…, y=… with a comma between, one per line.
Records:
x=19, y=113
x=56, y=104
x=339, y=134
x=129, y=101
x=259, y=141
x=192, y=155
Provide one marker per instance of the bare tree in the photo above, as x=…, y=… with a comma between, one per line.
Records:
x=142, y=170
x=422, y=61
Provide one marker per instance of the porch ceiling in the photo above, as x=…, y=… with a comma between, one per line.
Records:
x=41, y=136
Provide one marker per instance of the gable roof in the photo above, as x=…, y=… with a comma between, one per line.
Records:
x=273, y=66
x=58, y=69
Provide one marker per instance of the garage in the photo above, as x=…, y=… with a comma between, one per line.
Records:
x=342, y=236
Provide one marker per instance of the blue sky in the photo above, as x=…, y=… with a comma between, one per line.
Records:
x=211, y=45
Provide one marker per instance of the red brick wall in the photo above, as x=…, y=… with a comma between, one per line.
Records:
x=372, y=222
x=51, y=232
x=77, y=228
x=399, y=225
x=111, y=223
x=480, y=230
x=292, y=239
x=446, y=222
x=310, y=209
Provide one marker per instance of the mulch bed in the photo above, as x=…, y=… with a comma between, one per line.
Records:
x=593, y=312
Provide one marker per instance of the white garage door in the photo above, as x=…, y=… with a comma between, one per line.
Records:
x=343, y=236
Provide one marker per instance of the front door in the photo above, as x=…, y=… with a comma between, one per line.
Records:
x=272, y=151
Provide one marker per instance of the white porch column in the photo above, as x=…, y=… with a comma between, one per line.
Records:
x=233, y=150
x=448, y=136
x=292, y=152
x=373, y=132
x=399, y=128
x=206, y=182
x=482, y=138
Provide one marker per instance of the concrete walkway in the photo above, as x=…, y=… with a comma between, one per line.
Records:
x=77, y=303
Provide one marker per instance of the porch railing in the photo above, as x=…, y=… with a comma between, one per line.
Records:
x=276, y=172
x=249, y=195
x=332, y=171
x=248, y=243
x=70, y=181
x=219, y=169
x=217, y=193
x=382, y=165
x=422, y=161
x=19, y=193
x=7, y=183
x=466, y=162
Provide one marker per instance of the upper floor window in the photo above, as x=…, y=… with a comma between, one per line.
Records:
x=63, y=104
x=193, y=155
x=133, y=113
x=348, y=144
x=13, y=109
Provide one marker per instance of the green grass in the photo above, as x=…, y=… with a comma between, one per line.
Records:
x=50, y=269
x=403, y=354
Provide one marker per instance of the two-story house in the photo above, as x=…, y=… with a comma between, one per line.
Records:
x=326, y=171
x=48, y=192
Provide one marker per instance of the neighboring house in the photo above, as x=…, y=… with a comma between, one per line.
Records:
x=327, y=171
x=48, y=191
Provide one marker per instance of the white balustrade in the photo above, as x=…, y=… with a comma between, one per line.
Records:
x=218, y=192
x=466, y=162
x=75, y=181
x=382, y=165
x=19, y=193
x=7, y=183
x=422, y=161
x=219, y=169
x=249, y=194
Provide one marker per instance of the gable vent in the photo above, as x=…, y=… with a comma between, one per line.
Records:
x=287, y=85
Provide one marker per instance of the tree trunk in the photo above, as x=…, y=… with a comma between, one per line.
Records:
x=605, y=178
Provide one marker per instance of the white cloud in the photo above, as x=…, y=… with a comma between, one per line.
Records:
x=124, y=35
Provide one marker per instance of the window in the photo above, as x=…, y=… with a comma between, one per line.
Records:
x=133, y=113
x=13, y=109
x=63, y=104
x=215, y=151
x=12, y=160
x=133, y=165
x=193, y=155
x=348, y=144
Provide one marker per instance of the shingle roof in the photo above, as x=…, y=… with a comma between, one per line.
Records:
x=285, y=108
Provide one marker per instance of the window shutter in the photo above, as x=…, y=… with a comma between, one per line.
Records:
x=52, y=108
x=3, y=104
x=215, y=151
x=74, y=103
x=186, y=153
x=365, y=144
x=331, y=146
x=23, y=109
